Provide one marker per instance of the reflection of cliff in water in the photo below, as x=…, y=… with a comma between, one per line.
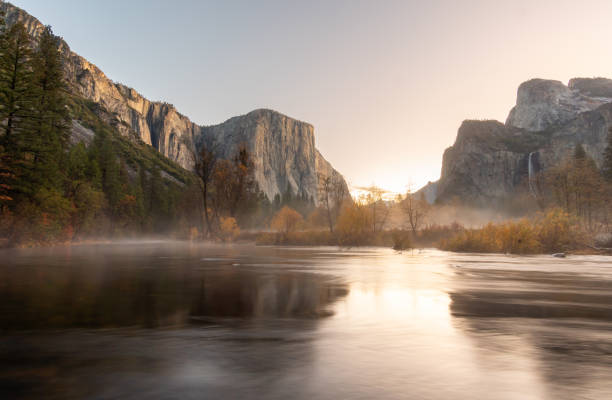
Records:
x=241, y=313
x=152, y=293
x=248, y=295
x=532, y=294
x=560, y=322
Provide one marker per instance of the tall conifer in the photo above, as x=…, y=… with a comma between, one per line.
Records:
x=51, y=117
x=17, y=99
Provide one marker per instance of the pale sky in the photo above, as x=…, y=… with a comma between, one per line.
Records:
x=386, y=84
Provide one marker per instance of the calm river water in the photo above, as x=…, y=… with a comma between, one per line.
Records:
x=172, y=320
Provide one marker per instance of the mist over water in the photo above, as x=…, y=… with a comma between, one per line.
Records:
x=178, y=320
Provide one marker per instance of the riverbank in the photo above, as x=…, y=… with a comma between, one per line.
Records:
x=484, y=240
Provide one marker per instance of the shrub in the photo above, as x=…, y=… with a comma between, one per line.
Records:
x=228, y=229
x=354, y=226
x=552, y=232
x=287, y=220
x=401, y=239
x=557, y=231
x=517, y=238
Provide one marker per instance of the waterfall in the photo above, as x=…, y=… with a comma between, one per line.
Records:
x=532, y=184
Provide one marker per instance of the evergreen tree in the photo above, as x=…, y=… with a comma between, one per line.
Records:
x=579, y=153
x=17, y=98
x=159, y=199
x=139, y=194
x=110, y=172
x=51, y=117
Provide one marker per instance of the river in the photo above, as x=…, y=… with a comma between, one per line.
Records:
x=174, y=320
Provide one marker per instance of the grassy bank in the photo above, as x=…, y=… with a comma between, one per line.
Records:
x=553, y=232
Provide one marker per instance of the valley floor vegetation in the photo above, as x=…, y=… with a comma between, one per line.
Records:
x=55, y=188
x=567, y=208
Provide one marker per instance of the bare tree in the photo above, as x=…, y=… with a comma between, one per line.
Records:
x=332, y=193
x=205, y=162
x=379, y=208
x=415, y=208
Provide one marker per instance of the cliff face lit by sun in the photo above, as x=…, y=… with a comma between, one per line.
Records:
x=283, y=148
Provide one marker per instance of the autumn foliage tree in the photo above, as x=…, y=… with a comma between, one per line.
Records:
x=286, y=221
x=355, y=224
x=577, y=186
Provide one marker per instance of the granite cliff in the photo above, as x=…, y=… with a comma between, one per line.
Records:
x=489, y=159
x=283, y=148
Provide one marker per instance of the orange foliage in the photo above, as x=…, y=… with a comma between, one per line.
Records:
x=228, y=229
x=287, y=220
x=552, y=232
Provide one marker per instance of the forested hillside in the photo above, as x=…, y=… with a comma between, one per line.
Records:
x=67, y=174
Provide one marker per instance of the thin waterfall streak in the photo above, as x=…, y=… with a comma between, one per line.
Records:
x=531, y=178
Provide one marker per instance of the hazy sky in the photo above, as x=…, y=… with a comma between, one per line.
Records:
x=385, y=83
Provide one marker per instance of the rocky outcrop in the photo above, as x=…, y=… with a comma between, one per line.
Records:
x=429, y=192
x=490, y=160
x=283, y=148
x=543, y=104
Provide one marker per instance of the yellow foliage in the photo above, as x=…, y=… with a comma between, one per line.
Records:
x=354, y=224
x=194, y=233
x=557, y=230
x=287, y=220
x=517, y=238
x=554, y=231
x=228, y=229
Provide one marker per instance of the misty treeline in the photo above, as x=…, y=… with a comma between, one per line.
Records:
x=55, y=190
x=372, y=219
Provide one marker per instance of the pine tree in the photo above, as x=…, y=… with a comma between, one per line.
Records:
x=159, y=199
x=139, y=194
x=6, y=174
x=51, y=117
x=110, y=172
x=579, y=153
x=17, y=99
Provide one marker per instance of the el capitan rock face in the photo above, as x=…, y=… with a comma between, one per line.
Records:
x=283, y=148
x=489, y=160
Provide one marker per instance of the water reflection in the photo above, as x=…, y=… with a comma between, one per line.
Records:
x=101, y=287
x=170, y=320
x=554, y=317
